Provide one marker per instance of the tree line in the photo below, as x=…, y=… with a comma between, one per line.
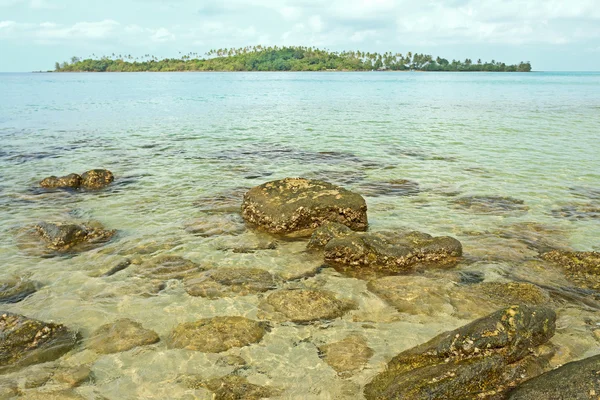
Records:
x=291, y=58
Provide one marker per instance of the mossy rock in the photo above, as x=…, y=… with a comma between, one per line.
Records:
x=15, y=290
x=122, y=335
x=581, y=267
x=71, y=181
x=62, y=237
x=509, y=293
x=325, y=233
x=164, y=267
x=228, y=282
x=298, y=206
x=96, y=179
x=304, y=305
x=578, y=380
x=478, y=360
x=347, y=356
x=27, y=341
x=218, y=334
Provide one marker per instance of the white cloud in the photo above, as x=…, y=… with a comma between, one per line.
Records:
x=162, y=35
x=315, y=23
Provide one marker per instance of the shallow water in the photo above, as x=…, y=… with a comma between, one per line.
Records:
x=184, y=147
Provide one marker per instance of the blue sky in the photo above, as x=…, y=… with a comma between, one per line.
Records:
x=553, y=35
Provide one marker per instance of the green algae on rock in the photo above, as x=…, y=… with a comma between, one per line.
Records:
x=228, y=282
x=479, y=360
x=298, y=206
x=392, y=252
x=578, y=380
x=217, y=334
x=27, y=341
x=581, y=267
x=347, y=356
x=96, y=179
x=14, y=290
x=122, y=335
x=71, y=181
x=304, y=305
x=72, y=237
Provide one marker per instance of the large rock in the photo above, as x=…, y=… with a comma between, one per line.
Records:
x=581, y=267
x=71, y=181
x=299, y=206
x=395, y=253
x=27, y=341
x=214, y=335
x=579, y=380
x=228, y=282
x=66, y=237
x=304, y=305
x=122, y=335
x=96, y=179
x=478, y=360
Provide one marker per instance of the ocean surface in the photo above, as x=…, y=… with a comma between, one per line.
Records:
x=184, y=147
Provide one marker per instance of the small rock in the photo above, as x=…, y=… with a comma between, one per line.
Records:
x=166, y=267
x=65, y=237
x=71, y=181
x=228, y=282
x=231, y=361
x=15, y=290
x=74, y=376
x=122, y=335
x=347, y=356
x=96, y=179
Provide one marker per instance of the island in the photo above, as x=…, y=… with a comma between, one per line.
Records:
x=290, y=58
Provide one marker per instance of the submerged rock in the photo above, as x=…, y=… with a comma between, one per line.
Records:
x=297, y=205
x=65, y=237
x=397, y=187
x=304, y=305
x=96, y=179
x=578, y=211
x=581, y=267
x=122, y=335
x=166, y=267
x=214, y=335
x=232, y=387
x=578, y=380
x=216, y=225
x=15, y=290
x=325, y=233
x=347, y=356
x=71, y=181
x=227, y=282
x=478, y=360
x=491, y=204
x=27, y=341
x=396, y=253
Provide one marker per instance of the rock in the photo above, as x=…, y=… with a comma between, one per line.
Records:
x=65, y=237
x=71, y=181
x=8, y=389
x=166, y=267
x=578, y=211
x=325, y=233
x=231, y=360
x=491, y=204
x=581, y=267
x=299, y=206
x=15, y=290
x=397, y=187
x=479, y=360
x=214, y=335
x=55, y=395
x=228, y=282
x=96, y=179
x=27, y=341
x=578, y=380
x=394, y=253
x=73, y=376
x=117, y=268
x=304, y=305
x=122, y=335
x=504, y=294
x=347, y=356
x=216, y=225
x=234, y=387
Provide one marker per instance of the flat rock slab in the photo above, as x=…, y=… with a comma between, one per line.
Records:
x=15, y=290
x=122, y=335
x=579, y=380
x=479, y=360
x=228, y=282
x=218, y=334
x=72, y=237
x=27, y=341
x=299, y=206
x=304, y=305
x=581, y=267
x=347, y=356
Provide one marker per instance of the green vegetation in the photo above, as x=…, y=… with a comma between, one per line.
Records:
x=259, y=58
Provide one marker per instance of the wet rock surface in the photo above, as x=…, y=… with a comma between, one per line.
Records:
x=91, y=180
x=393, y=252
x=62, y=237
x=581, y=267
x=299, y=206
x=347, y=356
x=16, y=289
x=491, y=204
x=228, y=282
x=303, y=305
x=579, y=380
x=164, y=267
x=325, y=233
x=122, y=335
x=479, y=360
x=218, y=334
x=27, y=341
x=71, y=181
x=232, y=387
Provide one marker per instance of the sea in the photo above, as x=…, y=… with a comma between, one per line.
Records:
x=507, y=163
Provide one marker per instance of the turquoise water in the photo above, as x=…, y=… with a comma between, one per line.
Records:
x=183, y=144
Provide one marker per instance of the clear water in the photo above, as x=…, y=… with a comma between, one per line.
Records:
x=175, y=141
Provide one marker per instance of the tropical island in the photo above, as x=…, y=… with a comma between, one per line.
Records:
x=291, y=58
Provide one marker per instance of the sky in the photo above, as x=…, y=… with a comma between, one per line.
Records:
x=553, y=35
